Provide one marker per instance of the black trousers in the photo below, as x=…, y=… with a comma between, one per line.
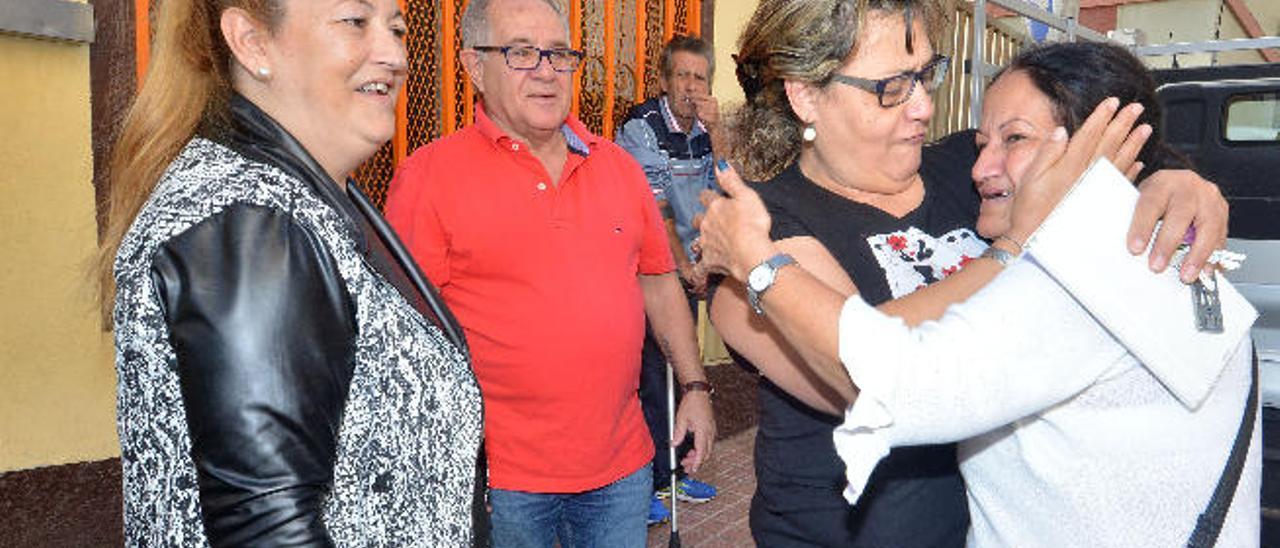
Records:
x=653, y=402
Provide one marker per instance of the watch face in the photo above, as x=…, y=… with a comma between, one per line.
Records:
x=759, y=277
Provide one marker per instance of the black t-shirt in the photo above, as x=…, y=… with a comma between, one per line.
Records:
x=915, y=497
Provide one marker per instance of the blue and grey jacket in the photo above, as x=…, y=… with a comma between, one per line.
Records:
x=679, y=165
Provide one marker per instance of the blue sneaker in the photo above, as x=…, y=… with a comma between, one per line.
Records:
x=658, y=512
x=690, y=490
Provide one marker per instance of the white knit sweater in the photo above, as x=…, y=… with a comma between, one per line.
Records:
x=1067, y=440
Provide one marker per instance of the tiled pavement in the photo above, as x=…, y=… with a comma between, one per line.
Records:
x=721, y=522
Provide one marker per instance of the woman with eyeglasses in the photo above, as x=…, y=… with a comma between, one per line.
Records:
x=835, y=119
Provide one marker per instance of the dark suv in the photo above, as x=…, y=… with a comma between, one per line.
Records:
x=1227, y=120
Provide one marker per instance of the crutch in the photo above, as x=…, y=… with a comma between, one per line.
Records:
x=674, y=542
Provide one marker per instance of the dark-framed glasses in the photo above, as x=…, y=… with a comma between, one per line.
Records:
x=895, y=90
x=530, y=57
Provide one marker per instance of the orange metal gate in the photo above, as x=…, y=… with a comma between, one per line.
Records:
x=622, y=40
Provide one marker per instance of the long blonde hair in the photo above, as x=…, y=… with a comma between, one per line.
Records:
x=188, y=84
x=802, y=41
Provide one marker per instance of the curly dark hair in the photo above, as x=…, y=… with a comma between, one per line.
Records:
x=1076, y=76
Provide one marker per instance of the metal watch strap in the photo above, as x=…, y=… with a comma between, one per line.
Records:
x=771, y=266
x=999, y=255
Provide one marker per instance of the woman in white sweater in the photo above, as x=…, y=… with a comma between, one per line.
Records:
x=1066, y=438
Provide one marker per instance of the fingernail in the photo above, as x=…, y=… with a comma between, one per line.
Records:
x=722, y=165
x=1158, y=262
x=1189, y=272
x=1060, y=134
x=1135, y=246
x=1137, y=108
x=1113, y=103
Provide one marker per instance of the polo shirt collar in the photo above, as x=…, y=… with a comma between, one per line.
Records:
x=576, y=135
x=576, y=144
x=674, y=126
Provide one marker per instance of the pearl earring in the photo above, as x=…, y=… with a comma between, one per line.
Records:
x=809, y=134
x=264, y=72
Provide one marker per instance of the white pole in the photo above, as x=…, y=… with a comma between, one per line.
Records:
x=976, y=62
x=671, y=445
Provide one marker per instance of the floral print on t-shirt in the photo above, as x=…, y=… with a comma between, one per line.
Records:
x=913, y=258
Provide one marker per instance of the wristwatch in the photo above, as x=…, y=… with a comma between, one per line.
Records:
x=762, y=276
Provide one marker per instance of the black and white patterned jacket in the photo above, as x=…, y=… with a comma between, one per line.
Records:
x=286, y=375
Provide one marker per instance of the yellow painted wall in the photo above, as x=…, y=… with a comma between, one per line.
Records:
x=730, y=18
x=57, y=381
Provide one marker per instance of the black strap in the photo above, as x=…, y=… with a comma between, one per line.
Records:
x=1210, y=522
x=481, y=526
x=448, y=322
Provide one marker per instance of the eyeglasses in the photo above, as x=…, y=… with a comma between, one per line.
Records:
x=530, y=57
x=895, y=90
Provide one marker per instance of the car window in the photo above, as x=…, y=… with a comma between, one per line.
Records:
x=1253, y=118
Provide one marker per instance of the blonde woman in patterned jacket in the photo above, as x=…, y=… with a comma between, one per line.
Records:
x=286, y=374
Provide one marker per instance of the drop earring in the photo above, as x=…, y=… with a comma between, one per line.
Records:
x=809, y=134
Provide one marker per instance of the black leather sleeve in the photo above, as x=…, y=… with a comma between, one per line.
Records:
x=264, y=332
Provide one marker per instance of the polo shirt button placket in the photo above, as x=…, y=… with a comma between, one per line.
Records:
x=542, y=186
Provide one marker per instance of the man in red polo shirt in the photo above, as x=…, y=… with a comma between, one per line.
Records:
x=546, y=243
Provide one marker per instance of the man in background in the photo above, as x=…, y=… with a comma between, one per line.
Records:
x=672, y=136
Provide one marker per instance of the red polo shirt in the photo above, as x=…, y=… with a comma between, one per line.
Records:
x=543, y=278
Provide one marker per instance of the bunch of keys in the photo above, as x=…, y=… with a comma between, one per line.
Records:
x=1204, y=291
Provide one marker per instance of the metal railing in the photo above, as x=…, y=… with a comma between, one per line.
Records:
x=980, y=72
x=1001, y=41
x=1179, y=48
